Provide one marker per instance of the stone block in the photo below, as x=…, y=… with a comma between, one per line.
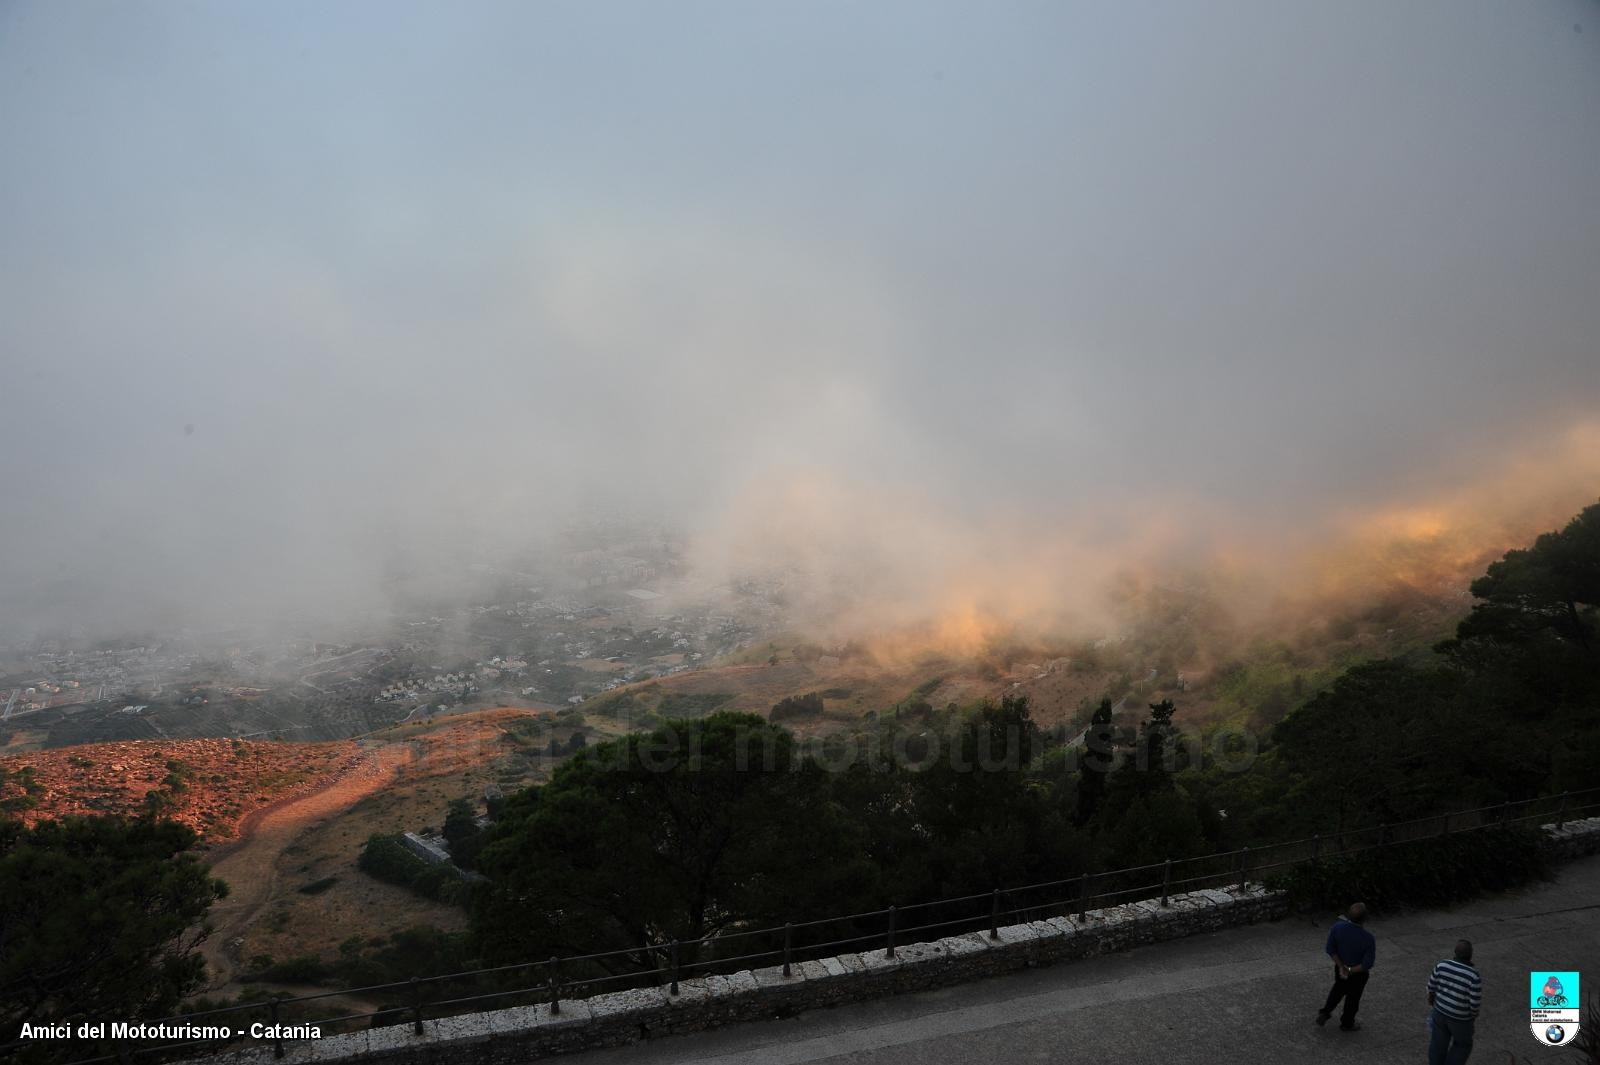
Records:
x=739, y=983
x=964, y=945
x=467, y=1028
x=515, y=1019
x=921, y=953
x=619, y=1004
x=819, y=971
x=573, y=1012
x=878, y=961
x=394, y=1038
x=336, y=1046
x=252, y=1054
x=771, y=978
x=852, y=963
x=834, y=967
x=1016, y=934
x=689, y=993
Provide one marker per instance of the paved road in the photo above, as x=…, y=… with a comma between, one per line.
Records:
x=1238, y=996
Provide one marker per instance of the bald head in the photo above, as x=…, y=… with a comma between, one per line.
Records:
x=1357, y=912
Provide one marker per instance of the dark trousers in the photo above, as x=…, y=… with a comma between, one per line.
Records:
x=1348, y=988
x=1452, y=1040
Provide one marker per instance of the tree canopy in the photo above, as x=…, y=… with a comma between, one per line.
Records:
x=674, y=834
x=99, y=917
x=1551, y=588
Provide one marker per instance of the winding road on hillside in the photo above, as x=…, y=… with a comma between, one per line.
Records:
x=250, y=865
x=1241, y=996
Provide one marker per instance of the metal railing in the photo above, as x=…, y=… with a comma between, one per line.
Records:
x=548, y=982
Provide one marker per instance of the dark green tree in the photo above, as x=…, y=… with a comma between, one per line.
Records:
x=680, y=833
x=987, y=821
x=1531, y=651
x=1100, y=748
x=1154, y=826
x=1145, y=771
x=99, y=918
x=1552, y=587
x=462, y=833
x=1389, y=740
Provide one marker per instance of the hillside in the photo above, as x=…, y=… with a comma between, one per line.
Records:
x=209, y=785
x=288, y=820
x=1167, y=643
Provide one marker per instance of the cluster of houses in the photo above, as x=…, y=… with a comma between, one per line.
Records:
x=460, y=683
x=417, y=688
x=38, y=695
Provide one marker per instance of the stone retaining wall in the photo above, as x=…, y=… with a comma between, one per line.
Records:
x=1574, y=839
x=512, y=1036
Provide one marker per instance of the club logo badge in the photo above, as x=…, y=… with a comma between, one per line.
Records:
x=1554, y=999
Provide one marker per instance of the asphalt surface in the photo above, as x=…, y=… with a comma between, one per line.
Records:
x=1237, y=996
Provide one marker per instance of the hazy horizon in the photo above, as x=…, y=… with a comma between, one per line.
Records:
x=947, y=306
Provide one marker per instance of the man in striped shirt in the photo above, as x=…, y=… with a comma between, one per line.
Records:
x=1455, y=991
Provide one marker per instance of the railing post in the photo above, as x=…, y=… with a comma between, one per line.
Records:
x=1316, y=845
x=1561, y=817
x=673, y=990
x=416, y=1005
x=889, y=953
x=994, y=914
x=1083, y=897
x=555, y=988
x=1244, y=860
x=1166, y=881
x=1383, y=836
x=1504, y=807
x=277, y=1040
x=788, y=947
x=1444, y=824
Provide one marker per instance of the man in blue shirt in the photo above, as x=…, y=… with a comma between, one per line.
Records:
x=1354, y=951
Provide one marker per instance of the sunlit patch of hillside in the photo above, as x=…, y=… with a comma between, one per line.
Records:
x=211, y=785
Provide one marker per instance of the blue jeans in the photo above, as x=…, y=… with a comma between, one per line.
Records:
x=1452, y=1040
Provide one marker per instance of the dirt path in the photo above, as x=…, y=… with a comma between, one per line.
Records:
x=250, y=865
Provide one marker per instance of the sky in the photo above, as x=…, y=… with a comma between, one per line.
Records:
x=955, y=293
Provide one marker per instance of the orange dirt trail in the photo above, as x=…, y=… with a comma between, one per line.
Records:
x=250, y=866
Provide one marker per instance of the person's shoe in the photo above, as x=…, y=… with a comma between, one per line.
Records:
x=1351, y=1027
x=1322, y=1018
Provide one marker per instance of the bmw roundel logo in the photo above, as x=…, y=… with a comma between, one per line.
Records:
x=1555, y=1033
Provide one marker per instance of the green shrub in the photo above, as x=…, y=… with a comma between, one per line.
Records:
x=797, y=708
x=386, y=858
x=438, y=882
x=302, y=969
x=692, y=704
x=1434, y=872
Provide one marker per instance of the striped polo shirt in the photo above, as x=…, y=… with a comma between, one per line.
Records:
x=1457, y=989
